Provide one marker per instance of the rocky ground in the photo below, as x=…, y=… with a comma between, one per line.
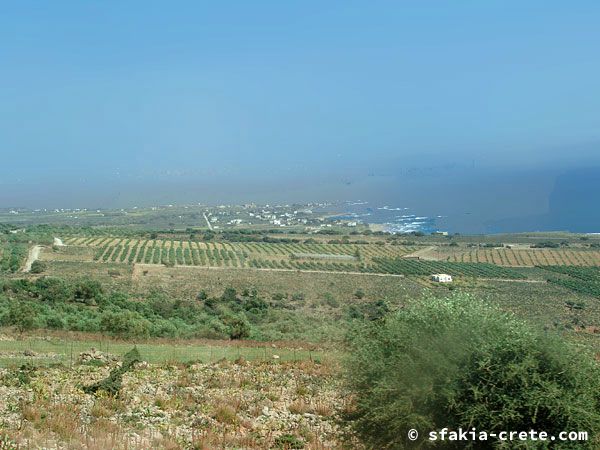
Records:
x=202, y=406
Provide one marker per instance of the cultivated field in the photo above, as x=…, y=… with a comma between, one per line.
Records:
x=291, y=256
x=529, y=257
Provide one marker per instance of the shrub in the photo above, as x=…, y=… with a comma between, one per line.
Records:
x=237, y=326
x=458, y=362
x=53, y=290
x=111, y=385
x=229, y=295
x=288, y=441
x=87, y=290
x=126, y=324
x=330, y=300
x=55, y=322
x=38, y=267
x=22, y=316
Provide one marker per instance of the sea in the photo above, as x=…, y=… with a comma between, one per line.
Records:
x=394, y=219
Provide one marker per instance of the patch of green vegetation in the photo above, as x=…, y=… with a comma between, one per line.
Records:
x=404, y=266
x=585, y=280
x=38, y=267
x=86, y=305
x=289, y=441
x=111, y=385
x=13, y=255
x=460, y=363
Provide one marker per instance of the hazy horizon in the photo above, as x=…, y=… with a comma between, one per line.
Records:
x=113, y=105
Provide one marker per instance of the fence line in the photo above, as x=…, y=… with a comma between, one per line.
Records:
x=66, y=352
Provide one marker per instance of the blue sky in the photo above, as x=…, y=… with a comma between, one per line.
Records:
x=139, y=91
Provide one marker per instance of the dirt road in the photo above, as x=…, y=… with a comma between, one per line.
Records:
x=207, y=222
x=34, y=254
x=138, y=268
x=424, y=253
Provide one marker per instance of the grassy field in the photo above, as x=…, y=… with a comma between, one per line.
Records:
x=46, y=351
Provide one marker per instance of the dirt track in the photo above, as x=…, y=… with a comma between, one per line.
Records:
x=138, y=267
x=34, y=254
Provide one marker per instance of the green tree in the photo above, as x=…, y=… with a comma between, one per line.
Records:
x=458, y=362
x=38, y=267
x=22, y=316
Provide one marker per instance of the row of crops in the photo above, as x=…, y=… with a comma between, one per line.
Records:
x=530, y=258
x=169, y=253
x=259, y=249
x=585, y=280
x=403, y=266
x=371, y=258
x=12, y=256
x=305, y=265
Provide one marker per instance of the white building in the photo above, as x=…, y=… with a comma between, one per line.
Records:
x=441, y=278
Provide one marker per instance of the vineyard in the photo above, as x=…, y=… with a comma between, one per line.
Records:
x=529, y=257
x=290, y=256
x=374, y=257
x=11, y=256
x=365, y=258
x=404, y=266
x=585, y=280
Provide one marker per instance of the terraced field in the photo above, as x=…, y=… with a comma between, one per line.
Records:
x=313, y=256
x=404, y=266
x=530, y=257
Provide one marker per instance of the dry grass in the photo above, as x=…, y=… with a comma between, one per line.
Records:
x=299, y=407
x=60, y=419
x=254, y=406
x=225, y=414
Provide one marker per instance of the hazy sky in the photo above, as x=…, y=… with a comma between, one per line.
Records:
x=202, y=90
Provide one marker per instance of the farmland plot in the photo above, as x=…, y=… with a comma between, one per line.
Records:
x=529, y=257
x=290, y=256
x=404, y=266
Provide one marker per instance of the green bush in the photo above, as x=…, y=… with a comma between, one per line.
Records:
x=288, y=441
x=458, y=362
x=111, y=385
x=126, y=324
x=22, y=316
x=237, y=325
x=330, y=300
x=87, y=290
x=38, y=267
